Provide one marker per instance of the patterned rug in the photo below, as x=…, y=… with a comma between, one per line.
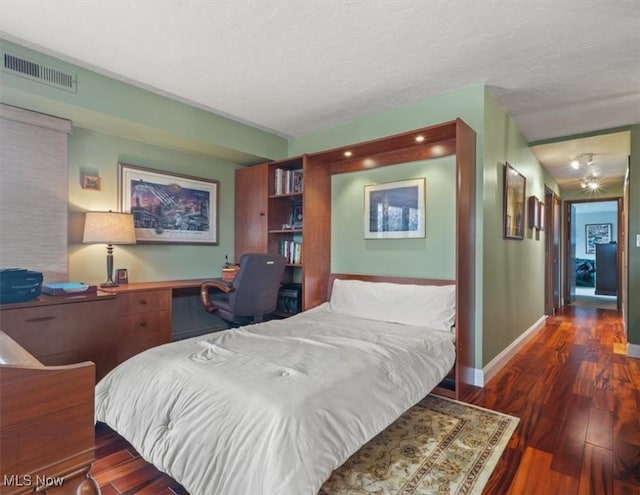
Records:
x=439, y=446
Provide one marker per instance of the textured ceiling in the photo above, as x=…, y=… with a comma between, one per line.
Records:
x=557, y=67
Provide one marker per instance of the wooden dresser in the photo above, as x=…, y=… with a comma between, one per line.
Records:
x=66, y=330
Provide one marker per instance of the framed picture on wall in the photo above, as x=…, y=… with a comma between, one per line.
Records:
x=596, y=233
x=91, y=182
x=534, y=212
x=395, y=210
x=514, y=200
x=169, y=208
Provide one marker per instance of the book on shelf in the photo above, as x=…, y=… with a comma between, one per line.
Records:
x=287, y=181
x=292, y=251
x=296, y=215
x=68, y=288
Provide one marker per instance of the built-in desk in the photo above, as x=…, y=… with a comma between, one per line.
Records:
x=154, y=313
x=108, y=327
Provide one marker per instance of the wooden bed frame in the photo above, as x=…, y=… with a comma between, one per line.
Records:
x=47, y=435
x=453, y=385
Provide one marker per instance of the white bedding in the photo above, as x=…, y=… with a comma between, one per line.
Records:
x=274, y=408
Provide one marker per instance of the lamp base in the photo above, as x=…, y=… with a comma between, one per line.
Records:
x=109, y=284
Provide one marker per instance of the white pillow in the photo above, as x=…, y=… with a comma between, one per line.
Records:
x=419, y=305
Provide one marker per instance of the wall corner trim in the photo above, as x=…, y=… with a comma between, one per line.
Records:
x=498, y=362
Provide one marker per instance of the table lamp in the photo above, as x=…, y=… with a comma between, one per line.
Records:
x=108, y=227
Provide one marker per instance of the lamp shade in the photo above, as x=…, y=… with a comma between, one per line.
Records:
x=108, y=227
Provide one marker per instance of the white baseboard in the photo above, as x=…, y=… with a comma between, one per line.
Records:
x=473, y=376
x=633, y=350
x=491, y=369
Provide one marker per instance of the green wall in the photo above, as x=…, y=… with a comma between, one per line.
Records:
x=99, y=154
x=107, y=105
x=513, y=294
x=432, y=256
x=633, y=253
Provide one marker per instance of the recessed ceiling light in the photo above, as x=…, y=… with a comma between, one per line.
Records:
x=368, y=162
x=348, y=154
x=575, y=164
x=419, y=138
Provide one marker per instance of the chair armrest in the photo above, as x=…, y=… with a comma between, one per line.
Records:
x=204, y=293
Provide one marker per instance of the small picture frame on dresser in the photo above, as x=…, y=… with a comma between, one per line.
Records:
x=122, y=276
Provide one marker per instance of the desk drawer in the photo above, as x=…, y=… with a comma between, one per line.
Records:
x=66, y=333
x=141, y=331
x=47, y=330
x=144, y=301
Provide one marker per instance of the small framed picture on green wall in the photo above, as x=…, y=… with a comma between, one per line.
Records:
x=395, y=210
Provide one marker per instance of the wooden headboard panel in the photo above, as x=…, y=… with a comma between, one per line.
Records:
x=453, y=385
x=46, y=424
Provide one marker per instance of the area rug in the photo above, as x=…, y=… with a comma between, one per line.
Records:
x=439, y=446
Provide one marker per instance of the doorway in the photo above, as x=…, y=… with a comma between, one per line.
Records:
x=551, y=222
x=592, y=269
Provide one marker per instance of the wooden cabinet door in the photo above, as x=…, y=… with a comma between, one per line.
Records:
x=141, y=331
x=252, y=189
x=145, y=321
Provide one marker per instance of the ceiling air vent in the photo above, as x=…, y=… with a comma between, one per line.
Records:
x=22, y=67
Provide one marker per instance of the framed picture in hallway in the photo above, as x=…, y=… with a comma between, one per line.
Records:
x=514, y=203
x=597, y=233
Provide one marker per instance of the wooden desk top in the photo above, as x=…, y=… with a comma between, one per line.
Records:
x=45, y=300
x=163, y=284
x=108, y=293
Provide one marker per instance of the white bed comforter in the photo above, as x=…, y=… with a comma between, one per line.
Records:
x=274, y=408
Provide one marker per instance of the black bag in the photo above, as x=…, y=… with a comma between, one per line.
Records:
x=19, y=285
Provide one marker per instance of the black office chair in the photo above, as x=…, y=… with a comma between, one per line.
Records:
x=251, y=295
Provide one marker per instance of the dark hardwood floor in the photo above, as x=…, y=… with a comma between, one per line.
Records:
x=577, y=396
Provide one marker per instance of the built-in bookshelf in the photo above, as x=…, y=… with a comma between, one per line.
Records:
x=285, y=213
x=270, y=212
